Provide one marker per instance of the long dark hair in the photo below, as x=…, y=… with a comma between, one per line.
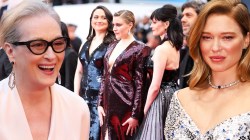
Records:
x=174, y=32
x=110, y=36
x=65, y=32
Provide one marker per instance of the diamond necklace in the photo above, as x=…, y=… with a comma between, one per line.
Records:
x=222, y=86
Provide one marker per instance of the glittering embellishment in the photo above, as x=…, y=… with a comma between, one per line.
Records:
x=180, y=126
x=222, y=86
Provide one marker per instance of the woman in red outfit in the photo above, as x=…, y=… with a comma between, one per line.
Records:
x=120, y=99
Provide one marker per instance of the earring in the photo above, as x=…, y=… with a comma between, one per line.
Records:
x=59, y=78
x=12, y=80
x=165, y=36
x=128, y=32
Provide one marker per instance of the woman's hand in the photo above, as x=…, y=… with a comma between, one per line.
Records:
x=101, y=114
x=132, y=125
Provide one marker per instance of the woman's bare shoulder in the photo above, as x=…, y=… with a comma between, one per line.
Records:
x=186, y=94
x=184, y=91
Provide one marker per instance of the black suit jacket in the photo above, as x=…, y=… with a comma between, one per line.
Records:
x=68, y=69
x=5, y=65
x=185, y=68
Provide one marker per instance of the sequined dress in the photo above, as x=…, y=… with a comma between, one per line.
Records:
x=153, y=123
x=179, y=125
x=91, y=82
x=121, y=90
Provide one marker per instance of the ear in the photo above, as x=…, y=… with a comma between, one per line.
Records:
x=166, y=24
x=9, y=50
x=247, y=41
x=130, y=25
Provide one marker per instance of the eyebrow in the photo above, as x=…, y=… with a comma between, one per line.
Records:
x=100, y=15
x=117, y=23
x=187, y=13
x=220, y=33
x=39, y=38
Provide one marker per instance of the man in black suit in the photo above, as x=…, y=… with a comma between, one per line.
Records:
x=5, y=65
x=190, y=11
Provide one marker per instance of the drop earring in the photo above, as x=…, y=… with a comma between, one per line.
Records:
x=12, y=78
x=128, y=32
x=59, y=79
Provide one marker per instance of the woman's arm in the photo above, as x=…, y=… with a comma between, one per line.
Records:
x=101, y=112
x=139, y=76
x=139, y=83
x=160, y=59
x=78, y=75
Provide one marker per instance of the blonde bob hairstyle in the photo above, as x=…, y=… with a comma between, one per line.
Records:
x=13, y=17
x=237, y=11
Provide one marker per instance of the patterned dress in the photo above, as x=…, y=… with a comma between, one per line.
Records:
x=179, y=125
x=91, y=83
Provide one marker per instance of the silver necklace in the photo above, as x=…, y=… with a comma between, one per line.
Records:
x=222, y=86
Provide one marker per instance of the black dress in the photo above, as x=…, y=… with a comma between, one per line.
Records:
x=91, y=82
x=153, y=123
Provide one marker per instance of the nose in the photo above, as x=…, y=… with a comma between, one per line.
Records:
x=99, y=19
x=114, y=28
x=216, y=45
x=183, y=19
x=49, y=54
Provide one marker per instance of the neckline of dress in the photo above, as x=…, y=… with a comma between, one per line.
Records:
x=110, y=68
x=210, y=129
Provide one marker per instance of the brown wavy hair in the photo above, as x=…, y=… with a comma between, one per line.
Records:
x=238, y=12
